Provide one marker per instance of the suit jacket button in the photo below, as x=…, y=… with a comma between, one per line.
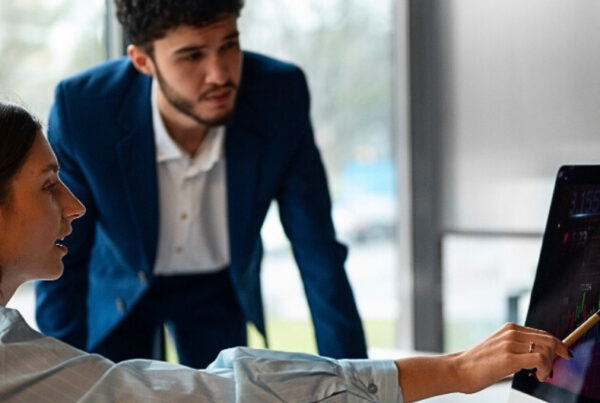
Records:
x=120, y=305
x=142, y=276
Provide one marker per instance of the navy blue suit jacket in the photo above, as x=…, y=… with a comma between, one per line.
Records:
x=101, y=130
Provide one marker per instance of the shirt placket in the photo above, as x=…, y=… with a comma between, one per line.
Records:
x=182, y=217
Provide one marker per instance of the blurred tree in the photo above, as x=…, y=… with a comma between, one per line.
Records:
x=42, y=41
x=345, y=47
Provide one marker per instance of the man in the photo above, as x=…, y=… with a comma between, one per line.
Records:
x=177, y=152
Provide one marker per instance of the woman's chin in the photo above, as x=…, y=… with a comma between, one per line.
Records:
x=54, y=272
x=59, y=272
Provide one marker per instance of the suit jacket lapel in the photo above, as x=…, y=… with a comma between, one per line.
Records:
x=243, y=148
x=137, y=158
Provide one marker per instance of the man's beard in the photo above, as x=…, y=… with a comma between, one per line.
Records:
x=186, y=106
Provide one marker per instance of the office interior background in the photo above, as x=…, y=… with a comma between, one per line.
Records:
x=442, y=124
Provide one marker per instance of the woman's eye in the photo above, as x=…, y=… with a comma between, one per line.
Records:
x=50, y=187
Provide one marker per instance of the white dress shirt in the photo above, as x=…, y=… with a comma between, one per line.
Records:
x=36, y=368
x=193, y=232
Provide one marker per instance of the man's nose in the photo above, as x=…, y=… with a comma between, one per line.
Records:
x=216, y=70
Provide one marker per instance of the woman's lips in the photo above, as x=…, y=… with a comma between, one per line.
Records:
x=62, y=247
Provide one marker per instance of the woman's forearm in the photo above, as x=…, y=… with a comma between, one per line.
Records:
x=505, y=352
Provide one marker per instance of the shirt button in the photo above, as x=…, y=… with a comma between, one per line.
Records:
x=120, y=305
x=372, y=388
x=142, y=277
x=184, y=216
x=179, y=249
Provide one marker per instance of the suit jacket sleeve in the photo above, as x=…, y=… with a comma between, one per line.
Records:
x=61, y=306
x=305, y=212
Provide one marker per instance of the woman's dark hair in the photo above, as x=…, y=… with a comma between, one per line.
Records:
x=145, y=21
x=18, y=129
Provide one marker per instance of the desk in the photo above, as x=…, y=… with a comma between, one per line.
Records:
x=497, y=393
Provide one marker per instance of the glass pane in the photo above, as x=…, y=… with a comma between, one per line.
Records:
x=519, y=91
x=518, y=98
x=487, y=281
x=344, y=47
x=42, y=41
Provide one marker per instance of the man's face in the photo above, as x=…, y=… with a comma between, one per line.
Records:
x=198, y=71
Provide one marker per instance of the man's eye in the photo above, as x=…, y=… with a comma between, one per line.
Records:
x=190, y=57
x=230, y=45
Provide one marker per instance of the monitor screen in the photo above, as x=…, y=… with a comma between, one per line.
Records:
x=567, y=287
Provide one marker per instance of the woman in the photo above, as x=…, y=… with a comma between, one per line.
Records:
x=36, y=211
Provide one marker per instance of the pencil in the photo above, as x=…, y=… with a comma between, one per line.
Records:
x=576, y=334
x=581, y=329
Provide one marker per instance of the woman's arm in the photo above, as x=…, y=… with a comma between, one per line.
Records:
x=505, y=352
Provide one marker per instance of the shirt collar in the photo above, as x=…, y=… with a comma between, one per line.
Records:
x=166, y=149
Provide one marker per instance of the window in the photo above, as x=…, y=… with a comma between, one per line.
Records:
x=516, y=96
x=41, y=42
x=344, y=47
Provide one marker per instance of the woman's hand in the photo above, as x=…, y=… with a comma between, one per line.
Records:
x=505, y=352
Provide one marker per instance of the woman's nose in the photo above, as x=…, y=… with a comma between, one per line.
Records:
x=73, y=208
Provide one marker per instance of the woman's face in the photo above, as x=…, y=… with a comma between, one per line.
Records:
x=35, y=218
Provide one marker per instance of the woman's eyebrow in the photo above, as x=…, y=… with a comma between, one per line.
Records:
x=50, y=167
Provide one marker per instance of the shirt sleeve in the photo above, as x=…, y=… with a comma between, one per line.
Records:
x=372, y=380
x=42, y=369
x=264, y=375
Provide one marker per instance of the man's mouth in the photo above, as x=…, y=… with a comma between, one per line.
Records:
x=219, y=96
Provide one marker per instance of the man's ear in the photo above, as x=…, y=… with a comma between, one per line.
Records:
x=140, y=59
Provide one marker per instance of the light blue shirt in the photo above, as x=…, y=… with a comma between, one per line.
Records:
x=36, y=368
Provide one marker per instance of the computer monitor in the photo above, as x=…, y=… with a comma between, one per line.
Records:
x=567, y=289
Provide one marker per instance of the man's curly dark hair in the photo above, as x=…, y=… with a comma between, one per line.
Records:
x=145, y=21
